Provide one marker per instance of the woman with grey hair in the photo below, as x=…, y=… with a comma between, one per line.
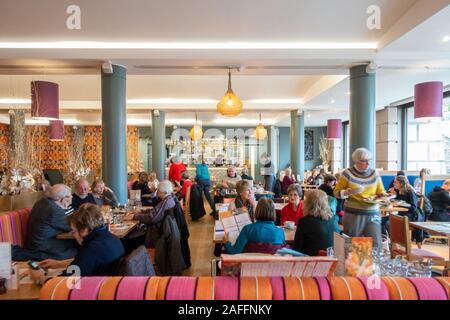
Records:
x=357, y=185
x=154, y=216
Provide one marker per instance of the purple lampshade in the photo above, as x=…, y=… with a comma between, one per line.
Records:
x=56, y=130
x=428, y=97
x=334, y=129
x=44, y=100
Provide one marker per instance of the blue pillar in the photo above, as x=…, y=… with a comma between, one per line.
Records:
x=114, y=131
x=298, y=143
x=362, y=110
x=159, y=143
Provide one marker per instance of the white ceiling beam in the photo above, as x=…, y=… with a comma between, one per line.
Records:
x=418, y=13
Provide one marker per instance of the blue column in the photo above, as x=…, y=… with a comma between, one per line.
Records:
x=159, y=143
x=298, y=143
x=114, y=131
x=362, y=110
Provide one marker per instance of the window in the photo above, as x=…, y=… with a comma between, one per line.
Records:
x=429, y=142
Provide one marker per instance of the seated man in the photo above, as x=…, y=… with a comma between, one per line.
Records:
x=229, y=182
x=47, y=219
x=82, y=194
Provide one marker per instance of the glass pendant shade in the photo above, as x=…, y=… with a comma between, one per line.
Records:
x=44, y=100
x=196, y=133
x=260, y=131
x=56, y=130
x=230, y=105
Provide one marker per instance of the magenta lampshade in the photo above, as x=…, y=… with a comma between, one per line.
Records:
x=334, y=129
x=44, y=100
x=56, y=130
x=428, y=97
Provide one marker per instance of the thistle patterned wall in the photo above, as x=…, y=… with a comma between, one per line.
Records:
x=47, y=154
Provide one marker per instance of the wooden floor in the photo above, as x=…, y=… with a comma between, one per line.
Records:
x=201, y=245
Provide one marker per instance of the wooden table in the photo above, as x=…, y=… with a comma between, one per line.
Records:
x=25, y=291
x=119, y=232
x=392, y=209
x=434, y=227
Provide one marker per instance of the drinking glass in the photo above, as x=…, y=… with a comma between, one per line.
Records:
x=330, y=252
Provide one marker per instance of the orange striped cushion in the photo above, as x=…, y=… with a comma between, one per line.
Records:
x=56, y=289
x=445, y=281
x=205, y=288
x=347, y=288
x=301, y=289
x=400, y=288
x=156, y=288
x=108, y=288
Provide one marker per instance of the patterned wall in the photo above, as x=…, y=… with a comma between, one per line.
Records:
x=4, y=145
x=56, y=154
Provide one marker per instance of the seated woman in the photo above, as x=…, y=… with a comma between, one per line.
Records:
x=315, y=230
x=100, y=251
x=142, y=184
x=288, y=179
x=186, y=183
x=440, y=200
x=103, y=195
x=155, y=215
x=244, y=200
x=293, y=211
x=406, y=193
x=399, y=173
x=263, y=231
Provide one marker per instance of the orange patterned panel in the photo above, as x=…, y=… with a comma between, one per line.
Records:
x=347, y=288
x=205, y=288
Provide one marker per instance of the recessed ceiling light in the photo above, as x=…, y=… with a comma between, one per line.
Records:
x=446, y=39
x=349, y=93
x=332, y=101
x=308, y=116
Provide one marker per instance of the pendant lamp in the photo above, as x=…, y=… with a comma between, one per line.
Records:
x=230, y=105
x=44, y=100
x=334, y=129
x=260, y=131
x=428, y=99
x=56, y=130
x=196, y=132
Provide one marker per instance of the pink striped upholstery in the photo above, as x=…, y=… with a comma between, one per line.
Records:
x=376, y=289
x=429, y=289
x=277, y=288
x=181, y=288
x=13, y=226
x=226, y=288
x=88, y=289
x=132, y=288
x=234, y=288
x=324, y=288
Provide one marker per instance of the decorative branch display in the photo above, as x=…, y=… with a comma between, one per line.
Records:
x=324, y=152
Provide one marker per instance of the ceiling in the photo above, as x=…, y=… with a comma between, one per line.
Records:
x=291, y=53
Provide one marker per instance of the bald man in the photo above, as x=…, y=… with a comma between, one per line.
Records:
x=82, y=194
x=47, y=219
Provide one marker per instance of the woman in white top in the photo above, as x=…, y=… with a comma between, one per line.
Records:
x=419, y=180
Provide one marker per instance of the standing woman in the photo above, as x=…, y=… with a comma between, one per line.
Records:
x=268, y=169
x=203, y=180
x=175, y=170
x=355, y=185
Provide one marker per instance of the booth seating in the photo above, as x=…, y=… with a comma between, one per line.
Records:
x=246, y=288
x=13, y=226
x=388, y=176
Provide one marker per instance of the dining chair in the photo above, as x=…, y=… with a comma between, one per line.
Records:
x=401, y=241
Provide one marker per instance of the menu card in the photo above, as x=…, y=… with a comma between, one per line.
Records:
x=5, y=260
x=135, y=196
x=354, y=255
x=233, y=223
x=266, y=265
